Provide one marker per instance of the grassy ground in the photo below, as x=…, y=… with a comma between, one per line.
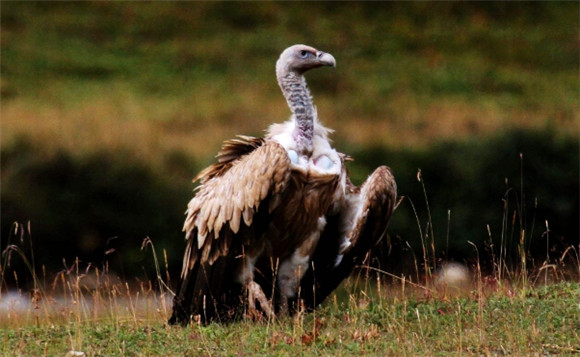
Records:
x=493, y=319
x=450, y=310
x=441, y=309
x=92, y=91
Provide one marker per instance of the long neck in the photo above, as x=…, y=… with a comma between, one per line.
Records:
x=294, y=87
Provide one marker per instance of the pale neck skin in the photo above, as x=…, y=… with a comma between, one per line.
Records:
x=299, y=100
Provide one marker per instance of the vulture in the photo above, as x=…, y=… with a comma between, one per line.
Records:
x=276, y=224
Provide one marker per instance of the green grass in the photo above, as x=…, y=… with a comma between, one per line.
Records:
x=503, y=320
x=85, y=311
x=123, y=102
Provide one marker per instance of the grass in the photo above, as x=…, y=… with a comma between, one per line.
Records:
x=77, y=78
x=400, y=319
x=93, y=91
x=510, y=310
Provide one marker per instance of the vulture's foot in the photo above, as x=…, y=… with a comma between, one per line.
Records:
x=255, y=293
x=283, y=305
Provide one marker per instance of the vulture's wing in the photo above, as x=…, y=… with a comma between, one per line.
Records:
x=231, y=151
x=225, y=220
x=231, y=192
x=349, y=235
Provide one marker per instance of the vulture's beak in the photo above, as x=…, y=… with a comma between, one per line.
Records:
x=326, y=59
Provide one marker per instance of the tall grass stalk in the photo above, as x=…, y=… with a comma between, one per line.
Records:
x=426, y=267
x=163, y=286
x=430, y=220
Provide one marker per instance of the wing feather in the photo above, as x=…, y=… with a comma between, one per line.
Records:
x=230, y=152
x=378, y=197
x=235, y=221
x=248, y=172
x=248, y=215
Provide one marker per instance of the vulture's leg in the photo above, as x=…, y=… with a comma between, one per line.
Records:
x=254, y=290
x=255, y=293
x=349, y=236
x=293, y=268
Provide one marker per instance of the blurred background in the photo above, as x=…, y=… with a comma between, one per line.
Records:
x=109, y=109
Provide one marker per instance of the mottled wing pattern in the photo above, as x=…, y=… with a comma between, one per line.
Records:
x=231, y=192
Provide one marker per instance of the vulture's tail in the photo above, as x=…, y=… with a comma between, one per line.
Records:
x=208, y=293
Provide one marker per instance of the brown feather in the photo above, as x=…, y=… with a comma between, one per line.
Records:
x=231, y=151
x=379, y=193
x=214, y=205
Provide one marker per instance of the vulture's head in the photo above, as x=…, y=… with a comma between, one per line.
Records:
x=301, y=58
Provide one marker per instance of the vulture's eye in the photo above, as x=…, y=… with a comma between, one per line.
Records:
x=304, y=53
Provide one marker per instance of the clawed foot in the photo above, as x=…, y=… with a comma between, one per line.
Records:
x=255, y=293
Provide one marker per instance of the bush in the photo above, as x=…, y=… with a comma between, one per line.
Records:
x=90, y=207
x=480, y=182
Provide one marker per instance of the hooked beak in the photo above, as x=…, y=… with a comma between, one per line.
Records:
x=326, y=59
